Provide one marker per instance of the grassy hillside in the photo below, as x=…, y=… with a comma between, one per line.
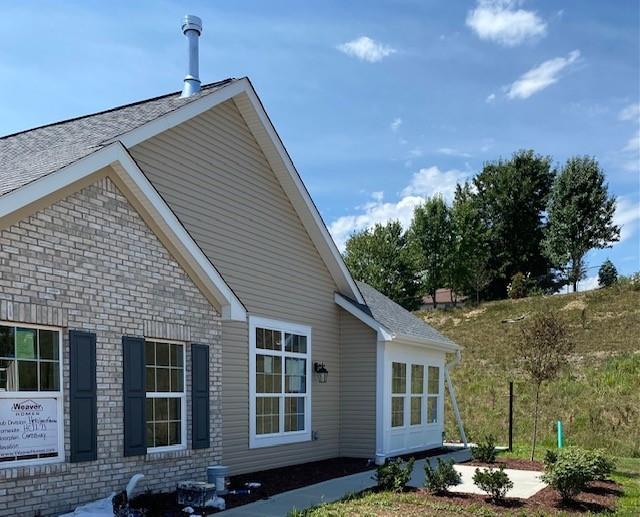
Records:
x=597, y=398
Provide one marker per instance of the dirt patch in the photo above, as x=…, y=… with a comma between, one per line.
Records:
x=510, y=463
x=574, y=305
x=599, y=497
x=475, y=312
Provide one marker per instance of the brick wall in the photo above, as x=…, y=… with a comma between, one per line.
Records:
x=90, y=262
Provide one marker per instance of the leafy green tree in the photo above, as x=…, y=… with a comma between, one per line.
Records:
x=580, y=216
x=607, y=274
x=512, y=196
x=383, y=258
x=467, y=270
x=431, y=235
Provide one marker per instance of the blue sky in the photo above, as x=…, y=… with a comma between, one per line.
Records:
x=379, y=103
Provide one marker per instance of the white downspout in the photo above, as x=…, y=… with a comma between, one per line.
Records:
x=452, y=394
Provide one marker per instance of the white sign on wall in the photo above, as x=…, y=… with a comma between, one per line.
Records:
x=28, y=426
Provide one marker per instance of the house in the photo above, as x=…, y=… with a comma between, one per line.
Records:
x=171, y=299
x=444, y=299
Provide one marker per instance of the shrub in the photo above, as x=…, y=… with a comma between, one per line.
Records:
x=518, y=287
x=494, y=482
x=394, y=474
x=485, y=451
x=550, y=457
x=607, y=274
x=574, y=468
x=439, y=479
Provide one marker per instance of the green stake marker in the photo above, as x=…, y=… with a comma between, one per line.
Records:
x=560, y=436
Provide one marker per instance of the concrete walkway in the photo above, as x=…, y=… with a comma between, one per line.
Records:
x=525, y=482
x=328, y=491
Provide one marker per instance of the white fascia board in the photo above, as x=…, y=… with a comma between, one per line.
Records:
x=182, y=114
x=384, y=334
x=116, y=156
x=443, y=346
x=292, y=184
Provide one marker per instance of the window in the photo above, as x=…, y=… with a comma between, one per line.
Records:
x=166, y=399
x=433, y=394
x=417, y=389
x=398, y=390
x=280, y=370
x=31, y=415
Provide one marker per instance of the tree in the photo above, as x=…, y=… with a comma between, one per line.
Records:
x=468, y=250
x=580, y=216
x=431, y=235
x=512, y=196
x=607, y=274
x=543, y=348
x=383, y=258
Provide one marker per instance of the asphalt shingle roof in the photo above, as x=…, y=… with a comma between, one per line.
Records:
x=34, y=153
x=395, y=317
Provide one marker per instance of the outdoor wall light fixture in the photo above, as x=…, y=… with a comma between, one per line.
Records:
x=321, y=372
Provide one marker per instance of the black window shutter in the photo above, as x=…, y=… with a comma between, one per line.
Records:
x=200, y=396
x=82, y=395
x=135, y=436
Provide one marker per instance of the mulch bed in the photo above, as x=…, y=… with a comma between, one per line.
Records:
x=599, y=497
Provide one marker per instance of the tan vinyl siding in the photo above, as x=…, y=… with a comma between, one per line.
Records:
x=212, y=173
x=358, y=344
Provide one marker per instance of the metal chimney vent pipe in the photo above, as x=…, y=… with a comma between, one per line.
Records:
x=192, y=28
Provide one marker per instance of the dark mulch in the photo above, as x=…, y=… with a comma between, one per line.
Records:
x=510, y=463
x=599, y=497
x=273, y=481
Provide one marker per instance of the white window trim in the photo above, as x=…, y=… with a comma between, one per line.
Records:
x=436, y=396
x=59, y=395
x=268, y=440
x=172, y=395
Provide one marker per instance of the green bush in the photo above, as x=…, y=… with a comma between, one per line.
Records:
x=485, y=451
x=518, y=287
x=574, y=468
x=607, y=274
x=494, y=482
x=394, y=474
x=439, y=479
x=550, y=457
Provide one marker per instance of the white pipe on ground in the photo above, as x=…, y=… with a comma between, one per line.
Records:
x=452, y=394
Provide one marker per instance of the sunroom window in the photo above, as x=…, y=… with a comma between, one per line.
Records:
x=398, y=389
x=30, y=395
x=166, y=397
x=433, y=394
x=280, y=391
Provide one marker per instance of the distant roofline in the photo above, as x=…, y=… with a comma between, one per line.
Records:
x=116, y=108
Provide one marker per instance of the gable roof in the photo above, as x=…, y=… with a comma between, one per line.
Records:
x=395, y=322
x=30, y=156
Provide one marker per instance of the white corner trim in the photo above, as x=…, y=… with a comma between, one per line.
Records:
x=281, y=438
x=384, y=334
x=116, y=156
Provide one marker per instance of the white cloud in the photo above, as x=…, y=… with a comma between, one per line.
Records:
x=490, y=98
x=541, y=76
x=631, y=112
x=395, y=124
x=424, y=183
x=633, y=145
x=366, y=49
x=500, y=21
x=450, y=151
x=627, y=216
x=588, y=284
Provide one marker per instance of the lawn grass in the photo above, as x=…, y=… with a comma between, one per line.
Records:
x=412, y=504
x=597, y=398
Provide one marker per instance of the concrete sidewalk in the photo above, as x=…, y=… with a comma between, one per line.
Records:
x=329, y=491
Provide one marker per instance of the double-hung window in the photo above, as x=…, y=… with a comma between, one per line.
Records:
x=31, y=411
x=280, y=375
x=433, y=394
x=398, y=392
x=417, y=389
x=166, y=397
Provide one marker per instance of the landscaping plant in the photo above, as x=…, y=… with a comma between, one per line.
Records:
x=574, y=468
x=394, y=474
x=494, y=482
x=543, y=348
x=485, y=451
x=438, y=480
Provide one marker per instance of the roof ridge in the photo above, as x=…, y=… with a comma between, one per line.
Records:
x=115, y=108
